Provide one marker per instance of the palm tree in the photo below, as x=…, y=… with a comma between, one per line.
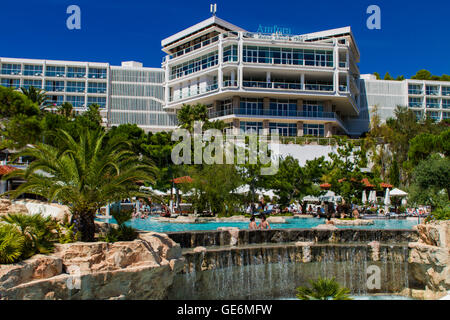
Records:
x=66, y=109
x=84, y=173
x=323, y=289
x=36, y=95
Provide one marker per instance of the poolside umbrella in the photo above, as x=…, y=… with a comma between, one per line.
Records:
x=364, y=197
x=387, y=200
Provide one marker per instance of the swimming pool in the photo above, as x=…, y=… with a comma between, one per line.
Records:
x=150, y=224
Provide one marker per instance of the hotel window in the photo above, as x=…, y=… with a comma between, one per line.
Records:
x=32, y=83
x=433, y=103
x=97, y=73
x=251, y=106
x=76, y=72
x=446, y=103
x=250, y=127
x=97, y=87
x=194, y=65
x=9, y=68
x=101, y=101
x=435, y=115
x=445, y=115
x=419, y=114
x=446, y=91
x=11, y=83
x=317, y=130
x=283, y=107
x=415, y=89
x=53, y=71
x=76, y=101
x=415, y=102
x=284, y=129
x=55, y=100
x=312, y=109
x=75, y=86
x=432, y=90
x=55, y=86
x=230, y=53
x=32, y=70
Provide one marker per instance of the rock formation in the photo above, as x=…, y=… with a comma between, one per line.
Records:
x=140, y=269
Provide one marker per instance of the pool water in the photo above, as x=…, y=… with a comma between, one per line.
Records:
x=150, y=224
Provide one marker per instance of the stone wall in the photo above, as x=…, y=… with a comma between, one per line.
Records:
x=429, y=260
x=140, y=269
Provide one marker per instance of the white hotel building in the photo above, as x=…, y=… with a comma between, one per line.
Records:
x=300, y=85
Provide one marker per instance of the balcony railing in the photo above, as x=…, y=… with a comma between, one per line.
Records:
x=343, y=64
x=433, y=105
x=415, y=104
x=230, y=83
x=415, y=91
x=432, y=92
x=275, y=113
x=194, y=92
x=287, y=86
x=195, y=46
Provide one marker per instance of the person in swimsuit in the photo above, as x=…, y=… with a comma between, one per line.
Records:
x=252, y=224
x=264, y=223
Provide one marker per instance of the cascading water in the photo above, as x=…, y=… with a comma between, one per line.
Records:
x=265, y=271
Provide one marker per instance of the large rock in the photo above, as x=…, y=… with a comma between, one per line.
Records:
x=355, y=222
x=233, y=234
x=6, y=207
x=429, y=258
x=140, y=269
x=273, y=219
x=325, y=227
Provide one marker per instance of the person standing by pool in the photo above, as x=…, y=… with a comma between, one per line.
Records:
x=252, y=225
x=264, y=223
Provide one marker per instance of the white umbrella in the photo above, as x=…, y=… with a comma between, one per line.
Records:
x=364, y=197
x=242, y=189
x=398, y=193
x=387, y=199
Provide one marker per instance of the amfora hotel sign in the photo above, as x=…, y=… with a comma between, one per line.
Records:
x=274, y=29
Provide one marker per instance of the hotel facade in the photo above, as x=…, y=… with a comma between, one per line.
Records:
x=307, y=84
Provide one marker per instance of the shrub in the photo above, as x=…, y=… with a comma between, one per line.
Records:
x=323, y=289
x=122, y=232
x=439, y=214
x=39, y=233
x=66, y=233
x=11, y=243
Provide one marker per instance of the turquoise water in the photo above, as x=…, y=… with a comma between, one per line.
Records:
x=150, y=224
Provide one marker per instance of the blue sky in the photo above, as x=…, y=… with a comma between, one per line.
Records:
x=414, y=34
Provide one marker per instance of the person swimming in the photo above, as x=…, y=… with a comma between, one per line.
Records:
x=252, y=224
x=264, y=223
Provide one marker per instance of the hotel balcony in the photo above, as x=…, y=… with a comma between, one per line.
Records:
x=268, y=114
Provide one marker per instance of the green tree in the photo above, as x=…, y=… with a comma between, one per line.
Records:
x=66, y=110
x=36, y=95
x=323, y=289
x=188, y=114
x=84, y=172
x=387, y=76
x=422, y=75
x=433, y=173
x=377, y=75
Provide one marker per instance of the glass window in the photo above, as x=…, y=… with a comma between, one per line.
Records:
x=55, y=100
x=415, y=102
x=250, y=127
x=415, y=89
x=101, y=101
x=435, y=115
x=97, y=73
x=194, y=65
x=54, y=71
x=432, y=90
x=97, y=87
x=32, y=83
x=76, y=101
x=446, y=91
x=432, y=103
x=76, y=72
x=230, y=53
x=32, y=70
x=445, y=115
x=8, y=68
x=11, y=83
x=317, y=130
x=75, y=86
x=284, y=129
x=54, y=86
x=446, y=103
